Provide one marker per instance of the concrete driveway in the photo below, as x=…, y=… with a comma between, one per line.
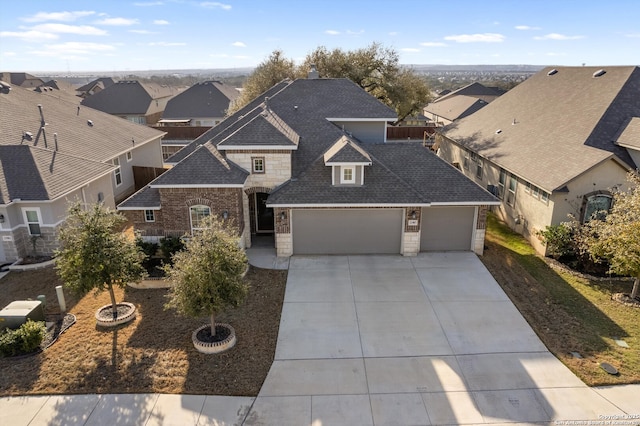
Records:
x=390, y=340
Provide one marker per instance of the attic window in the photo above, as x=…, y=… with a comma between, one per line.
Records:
x=599, y=73
x=552, y=72
x=348, y=175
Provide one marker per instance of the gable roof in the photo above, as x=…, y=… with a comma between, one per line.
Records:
x=401, y=173
x=80, y=131
x=207, y=99
x=566, y=122
x=129, y=97
x=32, y=173
x=455, y=108
x=345, y=150
x=204, y=167
x=629, y=135
x=102, y=82
x=474, y=90
x=263, y=128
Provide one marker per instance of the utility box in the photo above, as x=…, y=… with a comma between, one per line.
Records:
x=17, y=313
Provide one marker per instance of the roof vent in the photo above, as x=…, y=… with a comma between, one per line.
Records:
x=498, y=131
x=552, y=72
x=27, y=135
x=5, y=87
x=599, y=73
x=90, y=123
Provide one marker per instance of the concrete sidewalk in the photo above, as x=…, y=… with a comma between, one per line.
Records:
x=383, y=340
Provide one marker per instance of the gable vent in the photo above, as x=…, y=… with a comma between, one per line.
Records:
x=552, y=72
x=599, y=73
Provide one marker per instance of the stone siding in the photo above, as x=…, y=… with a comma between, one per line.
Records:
x=284, y=245
x=410, y=243
x=277, y=167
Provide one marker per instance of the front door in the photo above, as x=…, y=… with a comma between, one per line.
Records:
x=264, y=214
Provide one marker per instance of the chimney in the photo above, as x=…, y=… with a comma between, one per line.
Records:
x=313, y=73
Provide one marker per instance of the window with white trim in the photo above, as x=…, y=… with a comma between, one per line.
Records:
x=257, y=164
x=502, y=180
x=32, y=219
x=511, y=193
x=149, y=216
x=129, y=156
x=197, y=215
x=348, y=175
x=117, y=173
x=479, y=169
x=597, y=206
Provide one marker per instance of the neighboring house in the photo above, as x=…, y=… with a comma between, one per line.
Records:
x=53, y=151
x=451, y=106
x=140, y=103
x=198, y=108
x=203, y=104
x=554, y=145
x=308, y=162
x=21, y=79
x=94, y=86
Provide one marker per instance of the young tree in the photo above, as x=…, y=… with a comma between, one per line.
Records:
x=617, y=237
x=207, y=274
x=95, y=254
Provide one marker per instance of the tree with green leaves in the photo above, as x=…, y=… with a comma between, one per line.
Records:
x=616, y=238
x=207, y=276
x=375, y=68
x=95, y=254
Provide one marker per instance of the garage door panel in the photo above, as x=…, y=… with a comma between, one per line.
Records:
x=447, y=228
x=353, y=231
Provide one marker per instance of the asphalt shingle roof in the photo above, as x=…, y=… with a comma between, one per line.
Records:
x=129, y=97
x=207, y=99
x=262, y=128
x=456, y=107
x=345, y=150
x=205, y=166
x=145, y=198
x=630, y=134
x=565, y=123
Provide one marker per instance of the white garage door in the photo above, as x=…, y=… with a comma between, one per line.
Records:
x=447, y=228
x=347, y=231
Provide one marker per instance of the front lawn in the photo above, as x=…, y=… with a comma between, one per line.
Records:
x=569, y=314
x=153, y=353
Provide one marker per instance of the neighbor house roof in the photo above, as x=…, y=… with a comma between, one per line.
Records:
x=130, y=97
x=207, y=99
x=455, y=108
x=629, y=135
x=474, y=90
x=21, y=79
x=102, y=82
x=555, y=125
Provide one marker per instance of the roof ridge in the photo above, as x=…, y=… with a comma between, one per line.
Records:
x=277, y=122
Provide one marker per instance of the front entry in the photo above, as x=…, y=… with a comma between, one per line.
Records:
x=264, y=215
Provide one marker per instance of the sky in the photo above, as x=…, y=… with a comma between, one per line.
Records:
x=121, y=35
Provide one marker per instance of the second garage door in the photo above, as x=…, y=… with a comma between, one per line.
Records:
x=347, y=231
x=447, y=228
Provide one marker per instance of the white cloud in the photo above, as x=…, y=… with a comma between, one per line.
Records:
x=526, y=28
x=119, y=22
x=73, y=48
x=433, y=44
x=556, y=36
x=142, y=32
x=160, y=22
x=215, y=5
x=332, y=32
x=238, y=44
x=148, y=3
x=34, y=36
x=166, y=43
x=69, y=29
x=58, y=16
x=410, y=49
x=9, y=53
x=393, y=33
x=633, y=35
x=476, y=38
x=355, y=32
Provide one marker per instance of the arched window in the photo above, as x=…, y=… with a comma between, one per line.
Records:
x=198, y=214
x=596, y=207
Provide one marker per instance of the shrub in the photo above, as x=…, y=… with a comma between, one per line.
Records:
x=170, y=246
x=148, y=248
x=559, y=240
x=24, y=340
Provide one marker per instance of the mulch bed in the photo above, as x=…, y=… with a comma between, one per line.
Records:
x=205, y=336
x=152, y=353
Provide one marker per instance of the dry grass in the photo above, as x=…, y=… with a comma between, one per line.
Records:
x=153, y=353
x=569, y=314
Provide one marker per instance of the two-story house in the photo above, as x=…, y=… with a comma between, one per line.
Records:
x=52, y=152
x=308, y=162
x=556, y=145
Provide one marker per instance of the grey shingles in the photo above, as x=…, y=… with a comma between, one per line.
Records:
x=146, y=198
x=206, y=99
x=566, y=123
x=346, y=151
x=128, y=97
x=455, y=108
x=261, y=129
x=205, y=166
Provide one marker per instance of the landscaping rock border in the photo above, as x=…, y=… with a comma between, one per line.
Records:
x=103, y=322
x=214, y=347
x=559, y=266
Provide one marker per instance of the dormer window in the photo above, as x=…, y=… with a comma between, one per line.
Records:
x=348, y=175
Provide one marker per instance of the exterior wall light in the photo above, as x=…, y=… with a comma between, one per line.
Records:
x=225, y=214
x=414, y=215
x=283, y=215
